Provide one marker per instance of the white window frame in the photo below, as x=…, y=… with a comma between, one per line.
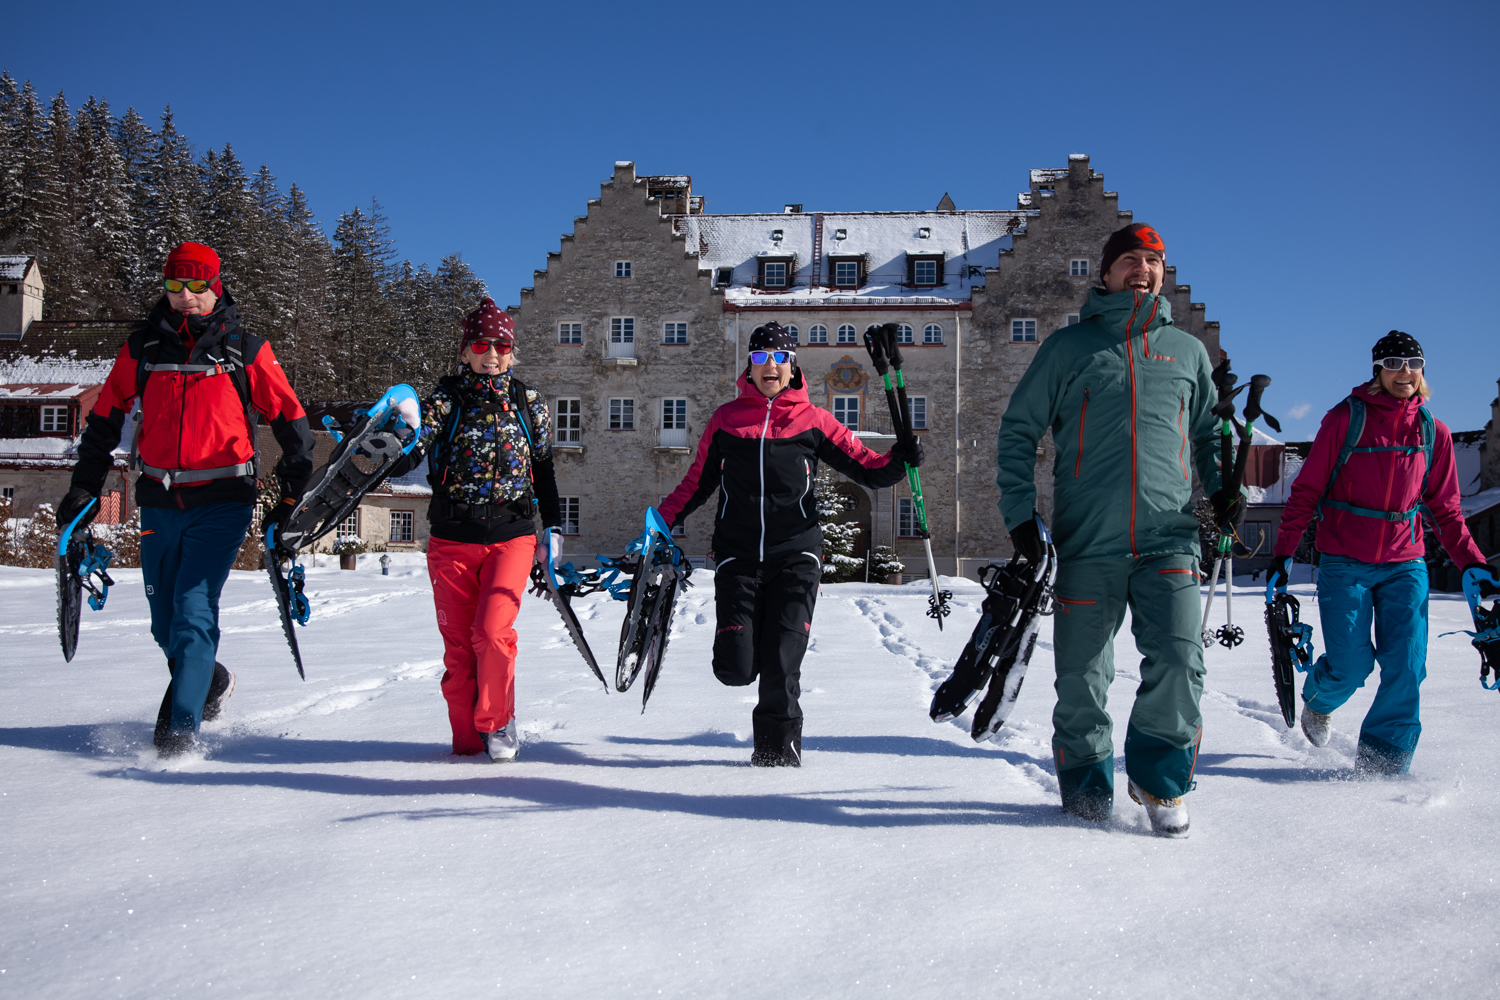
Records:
x=567, y=421
x=904, y=333
x=817, y=334
x=622, y=413
x=929, y=266
x=848, y=334
x=1078, y=267
x=932, y=333
x=918, y=406
x=906, y=518
x=674, y=333
x=674, y=428
x=850, y=406
x=7, y=492
x=403, y=526
x=54, y=420
x=568, y=508
x=622, y=336
x=622, y=269
x=1023, y=330
x=570, y=333
x=839, y=274
x=766, y=279
x=791, y=328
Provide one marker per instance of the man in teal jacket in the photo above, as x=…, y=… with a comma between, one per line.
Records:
x=1128, y=399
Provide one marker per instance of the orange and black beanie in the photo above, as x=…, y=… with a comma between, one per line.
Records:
x=1134, y=236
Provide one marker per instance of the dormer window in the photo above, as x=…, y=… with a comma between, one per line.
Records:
x=924, y=269
x=723, y=276
x=848, y=271
x=776, y=273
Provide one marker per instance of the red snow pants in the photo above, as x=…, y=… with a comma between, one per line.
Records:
x=477, y=590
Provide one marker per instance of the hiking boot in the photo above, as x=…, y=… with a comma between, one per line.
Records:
x=219, y=690
x=777, y=744
x=170, y=744
x=1169, y=817
x=1315, y=726
x=502, y=745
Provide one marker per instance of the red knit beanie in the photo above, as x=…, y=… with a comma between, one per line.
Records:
x=489, y=322
x=1135, y=236
x=194, y=260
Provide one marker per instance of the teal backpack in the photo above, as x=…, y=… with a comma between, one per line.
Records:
x=1351, y=442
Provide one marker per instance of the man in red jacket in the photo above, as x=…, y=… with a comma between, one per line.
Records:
x=1380, y=461
x=201, y=381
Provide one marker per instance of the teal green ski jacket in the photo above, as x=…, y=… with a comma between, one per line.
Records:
x=1128, y=398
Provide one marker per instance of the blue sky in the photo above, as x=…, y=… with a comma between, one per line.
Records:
x=1321, y=173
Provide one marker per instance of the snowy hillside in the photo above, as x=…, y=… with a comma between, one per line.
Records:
x=327, y=845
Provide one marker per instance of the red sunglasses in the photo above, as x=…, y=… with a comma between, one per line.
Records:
x=481, y=346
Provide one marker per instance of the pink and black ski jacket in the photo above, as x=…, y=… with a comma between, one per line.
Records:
x=1381, y=480
x=762, y=455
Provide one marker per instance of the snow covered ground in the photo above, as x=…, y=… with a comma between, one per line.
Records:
x=327, y=845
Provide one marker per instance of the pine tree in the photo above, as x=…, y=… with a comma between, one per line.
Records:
x=135, y=142
x=105, y=223
x=839, y=561
x=170, y=206
x=59, y=243
x=22, y=179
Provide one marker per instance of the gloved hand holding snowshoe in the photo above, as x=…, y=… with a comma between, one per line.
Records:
x=1229, y=511
x=1279, y=573
x=1027, y=539
x=549, y=547
x=909, y=452
x=1482, y=579
x=281, y=513
x=77, y=499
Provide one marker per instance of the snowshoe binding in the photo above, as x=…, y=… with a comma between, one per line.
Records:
x=82, y=564
x=1291, y=647
x=659, y=573
x=1018, y=595
x=1484, y=605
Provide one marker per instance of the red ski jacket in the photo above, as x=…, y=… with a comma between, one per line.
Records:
x=1381, y=480
x=195, y=420
x=762, y=455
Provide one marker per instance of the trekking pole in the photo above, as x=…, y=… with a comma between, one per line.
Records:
x=880, y=341
x=1231, y=635
x=1224, y=410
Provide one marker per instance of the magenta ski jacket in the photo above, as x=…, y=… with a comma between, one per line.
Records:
x=1381, y=480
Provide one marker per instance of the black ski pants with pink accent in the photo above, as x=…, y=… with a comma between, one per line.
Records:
x=764, y=612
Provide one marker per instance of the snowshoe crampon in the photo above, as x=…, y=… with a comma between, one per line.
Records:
x=1018, y=594
x=287, y=581
x=1291, y=648
x=82, y=564
x=659, y=573
x=545, y=583
x=1484, y=605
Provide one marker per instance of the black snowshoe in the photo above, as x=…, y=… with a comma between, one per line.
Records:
x=380, y=437
x=1484, y=605
x=1291, y=648
x=544, y=583
x=82, y=564
x=659, y=573
x=1019, y=594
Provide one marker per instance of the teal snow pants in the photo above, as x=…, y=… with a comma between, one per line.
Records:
x=1161, y=742
x=185, y=559
x=1394, y=595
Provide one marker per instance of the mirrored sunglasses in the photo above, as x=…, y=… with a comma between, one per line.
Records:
x=1396, y=364
x=481, y=346
x=780, y=357
x=195, y=285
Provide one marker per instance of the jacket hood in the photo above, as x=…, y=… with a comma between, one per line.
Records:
x=1115, y=310
x=177, y=328
x=1385, y=400
x=793, y=394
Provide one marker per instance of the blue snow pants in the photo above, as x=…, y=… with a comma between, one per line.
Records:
x=185, y=559
x=1350, y=594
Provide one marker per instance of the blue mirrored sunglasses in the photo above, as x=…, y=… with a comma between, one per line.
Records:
x=780, y=357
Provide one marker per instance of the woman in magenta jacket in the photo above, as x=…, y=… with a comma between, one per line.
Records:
x=1398, y=466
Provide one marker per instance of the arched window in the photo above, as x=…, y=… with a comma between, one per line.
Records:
x=846, y=334
x=817, y=334
x=903, y=333
x=794, y=332
x=932, y=334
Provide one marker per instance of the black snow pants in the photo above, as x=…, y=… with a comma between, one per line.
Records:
x=764, y=613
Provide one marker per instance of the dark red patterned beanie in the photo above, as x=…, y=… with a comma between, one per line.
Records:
x=489, y=322
x=1137, y=235
x=188, y=261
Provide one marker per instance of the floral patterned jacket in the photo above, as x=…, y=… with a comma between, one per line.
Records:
x=492, y=458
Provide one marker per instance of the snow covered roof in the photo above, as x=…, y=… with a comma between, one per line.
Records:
x=965, y=241
x=53, y=371
x=13, y=267
x=1480, y=502
x=36, y=392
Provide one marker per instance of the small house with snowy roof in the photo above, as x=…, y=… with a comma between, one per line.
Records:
x=21, y=291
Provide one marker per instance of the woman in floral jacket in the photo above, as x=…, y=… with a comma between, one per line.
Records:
x=487, y=438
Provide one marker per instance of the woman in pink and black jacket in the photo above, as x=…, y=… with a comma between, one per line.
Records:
x=761, y=453
x=1379, y=462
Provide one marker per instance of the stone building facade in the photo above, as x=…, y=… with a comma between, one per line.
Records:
x=636, y=331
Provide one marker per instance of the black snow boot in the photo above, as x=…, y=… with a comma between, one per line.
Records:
x=777, y=743
x=219, y=690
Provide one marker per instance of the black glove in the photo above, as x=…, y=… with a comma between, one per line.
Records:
x=1229, y=512
x=1482, y=578
x=1279, y=574
x=1027, y=539
x=909, y=452
x=77, y=499
x=281, y=513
